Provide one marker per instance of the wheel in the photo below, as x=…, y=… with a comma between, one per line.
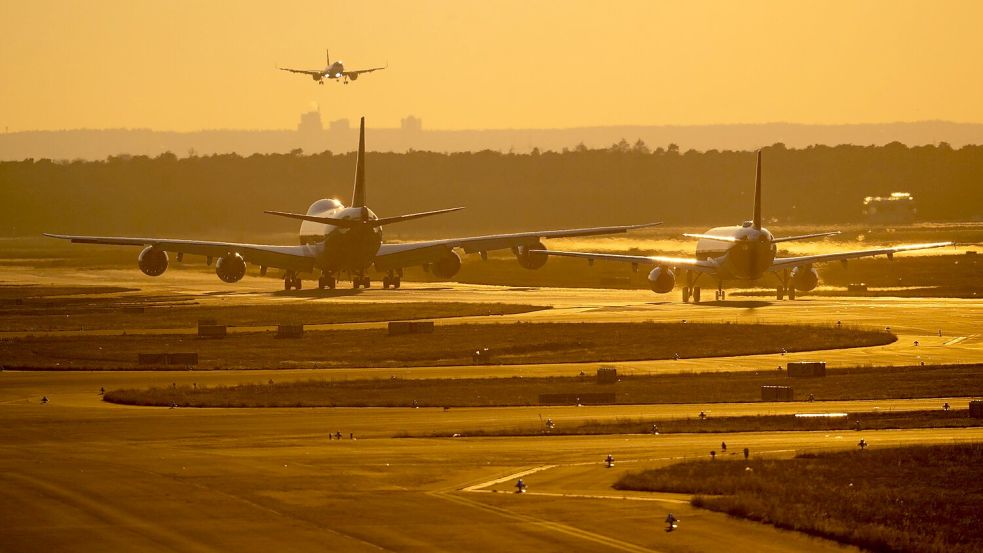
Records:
x=780, y=294
x=366, y=283
x=696, y=294
x=791, y=293
x=385, y=283
x=356, y=282
x=396, y=282
x=286, y=284
x=298, y=284
x=331, y=283
x=685, y=294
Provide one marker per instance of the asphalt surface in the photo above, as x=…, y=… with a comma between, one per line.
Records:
x=83, y=475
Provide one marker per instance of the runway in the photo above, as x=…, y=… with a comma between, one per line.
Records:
x=83, y=475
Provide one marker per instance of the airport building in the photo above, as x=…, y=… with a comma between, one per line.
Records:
x=899, y=207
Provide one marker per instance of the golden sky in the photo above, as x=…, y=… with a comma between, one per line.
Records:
x=187, y=65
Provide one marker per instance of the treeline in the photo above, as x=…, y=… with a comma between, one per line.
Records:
x=627, y=183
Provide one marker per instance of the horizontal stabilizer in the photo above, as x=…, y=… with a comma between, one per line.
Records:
x=713, y=237
x=353, y=223
x=804, y=236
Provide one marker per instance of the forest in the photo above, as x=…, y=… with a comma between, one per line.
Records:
x=225, y=195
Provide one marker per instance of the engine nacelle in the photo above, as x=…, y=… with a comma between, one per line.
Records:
x=353, y=76
x=152, y=261
x=231, y=268
x=530, y=260
x=317, y=77
x=661, y=280
x=447, y=266
x=804, y=278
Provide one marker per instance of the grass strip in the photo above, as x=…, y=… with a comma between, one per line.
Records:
x=839, y=384
x=924, y=498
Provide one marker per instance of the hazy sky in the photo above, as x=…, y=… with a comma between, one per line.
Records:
x=186, y=65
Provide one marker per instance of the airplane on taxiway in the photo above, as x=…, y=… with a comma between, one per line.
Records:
x=746, y=252
x=335, y=239
x=331, y=70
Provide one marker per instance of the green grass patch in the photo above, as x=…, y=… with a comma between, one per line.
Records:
x=39, y=312
x=518, y=343
x=876, y=420
x=901, y=499
x=841, y=384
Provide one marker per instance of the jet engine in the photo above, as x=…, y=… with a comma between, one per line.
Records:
x=230, y=268
x=661, y=280
x=353, y=76
x=804, y=278
x=530, y=260
x=152, y=261
x=447, y=266
x=317, y=77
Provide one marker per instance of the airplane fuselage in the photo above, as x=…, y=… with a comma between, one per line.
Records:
x=341, y=249
x=746, y=259
x=334, y=71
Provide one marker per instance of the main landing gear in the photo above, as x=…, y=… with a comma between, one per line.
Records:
x=361, y=280
x=291, y=280
x=784, y=288
x=690, y=290
x=392, y=279
x=326, y=281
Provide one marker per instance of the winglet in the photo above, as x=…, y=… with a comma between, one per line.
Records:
x=756, y=217
x=358, y=194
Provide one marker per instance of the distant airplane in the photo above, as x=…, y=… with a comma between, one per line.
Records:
x=745, y=252
x=334, y=70
x=336, y=239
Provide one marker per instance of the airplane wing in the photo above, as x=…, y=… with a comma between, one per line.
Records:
x=394, y=256
x=357, y=72
x=789, y=262
x=703, y=266
x=304, y=71
x=295, y=258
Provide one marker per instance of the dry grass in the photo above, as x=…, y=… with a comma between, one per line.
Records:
x=520, y=343
x=904, y=499
x=846, y=384
x=36, y=309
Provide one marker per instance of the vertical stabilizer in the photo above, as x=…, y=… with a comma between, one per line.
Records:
x=358, y=194
x=327, y=58
x=756, y=217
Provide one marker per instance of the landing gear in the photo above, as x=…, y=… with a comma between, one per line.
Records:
x=690, y=291
x=361, y=280
x=392, y=279
x=721, y=295
x=785, y=288
x=326, y=281
x=291, y=280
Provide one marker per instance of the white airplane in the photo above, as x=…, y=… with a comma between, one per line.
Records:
x=335, y=239
x=334, y=70
x=745, y=252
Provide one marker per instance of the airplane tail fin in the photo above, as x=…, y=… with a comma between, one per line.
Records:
x=327, y=57
x=358, y=194
x=756, y=217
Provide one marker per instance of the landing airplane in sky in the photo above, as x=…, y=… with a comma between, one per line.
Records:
x=745, y=252
x=335, y=239
x=334, y=70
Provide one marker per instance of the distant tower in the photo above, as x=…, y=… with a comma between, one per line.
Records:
x=310, y=123
x=411, y=124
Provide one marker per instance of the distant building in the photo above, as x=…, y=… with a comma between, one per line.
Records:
x=339, y=125
x=310, y=123
x=411, y=124
x=899, y=207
